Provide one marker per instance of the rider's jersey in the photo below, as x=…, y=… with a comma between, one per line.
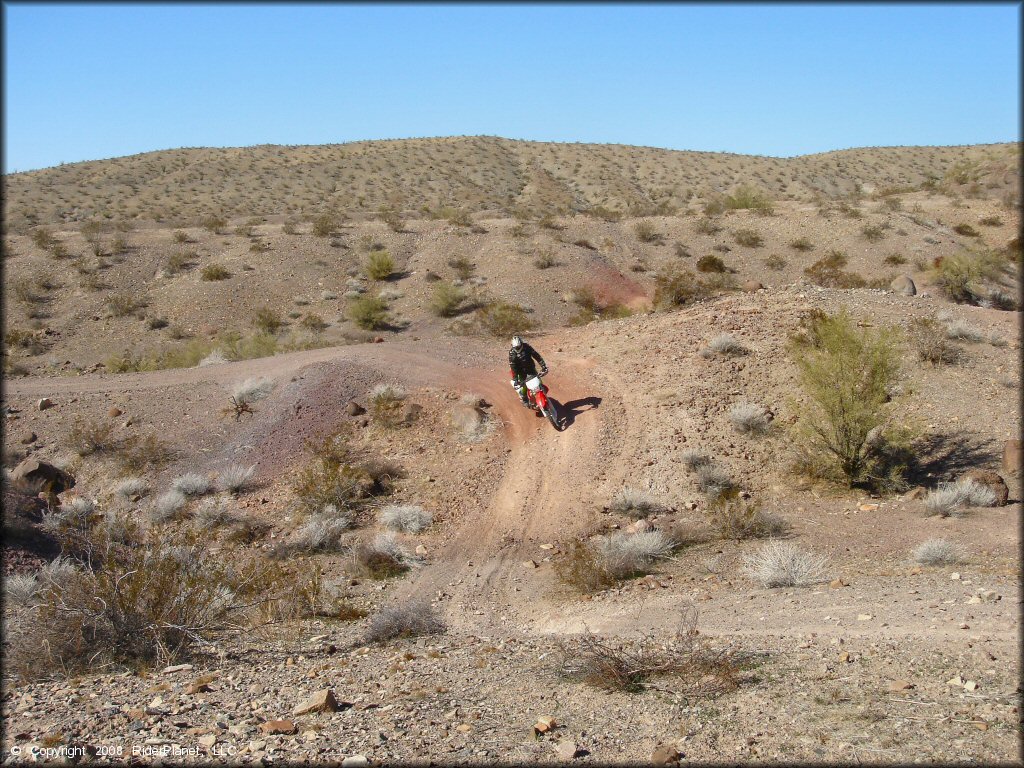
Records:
x=521, y=361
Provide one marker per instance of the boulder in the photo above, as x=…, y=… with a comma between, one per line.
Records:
x=1012, y=457
x=114, y=412
x=640, y=526
x=904, y=285
x=752, y=285
x=566, y=750
x=44, y=403
x=49, y=477
x=27, y=438
x=990, y=480
x=321, y=701
x=664, y=755
x=354, y=409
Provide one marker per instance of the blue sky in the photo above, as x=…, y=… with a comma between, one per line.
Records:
x=89, y=81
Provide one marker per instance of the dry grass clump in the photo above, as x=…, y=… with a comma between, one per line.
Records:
x=711, y=263
x=213, y=272
x=802, y=244
x=381, y=558
x=321, y=531
x=953, y=499
x=214, y=513
x=333, y=477
x=267, y=320
x=932, y=342
x=407, y=620
x=633, y=503
x=166, y=506
x=646, y=232
x=252, y=390
x=149, y=601
x=602, y=562
x=235, y=478
x=685, y=663
x=938, y=552
x=124, y=304
x=191, y=484
x=781, y=564
x=726, y=345
x=828, y=272
x=131, y=486
x=86, y=437
x=963, y=331
x=748, y=238
x=406, y=518
x=750, y=419
x=140, y=452
x=385, y=402
x=735, y=520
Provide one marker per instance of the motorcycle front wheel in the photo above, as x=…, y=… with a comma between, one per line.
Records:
x=552, y=416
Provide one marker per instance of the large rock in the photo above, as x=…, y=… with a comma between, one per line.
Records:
x=664, y=755
x=282, y=727
x=903, y=284
x=750, y=286
x=990, y=480
x=321, y=701
x=1012, y=457
x=354, y=409
x=49, y=477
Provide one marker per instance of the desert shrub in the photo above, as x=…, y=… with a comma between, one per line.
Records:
x=31, y=341
x=725, y=345
x=321, y=531
x=633, y=503
x=963, y=331
x=234, y=346
x=324, y=225
x=332, y=477
x=646, y=232
x=151, y=601
x=407, y=518
x=43, y=238
x=775, y=262
x=895, y=259
x=546, y=259
x=180, y=236
x=503, y=319
x=385, y=402
x=961, y=277
x=694, y=460
x=750, y=419
x=191, y=484
x=446, y=299
x=124, y=304
x=458, y=217
x=177, y=262
x=781, y=564
x=715, y=483
x=931, y=342
x=86, y=437
x=748, y=197
x=685, y=663
x=131, y=486
x=710, y=264
x=20, y=588
x=953, y=499
x=140, y=452
x=966, y=230
x=581, y=569
x=733, y=519
x=706, y=226
x=213, y=272
x=235, y=478
x=848, y=376
x=937, y=552
x=252, y=390
x=624, y=554
x=379, y=265
x=828, y=272
x=463, y=267
x=156, y=323
x=748, y=238
x=214, y=224
x=801, y=244
x=368, y=312
x=214, y=513
x=999, y=300
x=406, y=620
x=675, y=287
x=714, y=207
x=872, y=232
x=380, y=558
x=166, y=506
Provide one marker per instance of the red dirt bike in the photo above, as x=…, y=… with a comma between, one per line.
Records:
x=537, y=393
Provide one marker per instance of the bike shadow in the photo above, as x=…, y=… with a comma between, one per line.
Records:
x=567, y=412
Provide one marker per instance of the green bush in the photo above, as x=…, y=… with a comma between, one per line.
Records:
x=828, y=272
x=463, y=267
x=124, y=304
x=324, y=225
x=747, y=197
x=379, y=265
x=962, y=277
x=675, y=287
x=447, y=299
x=267, y=320
x=710, y=264
x=503, y=319
x=845, y=428
x=368, y=312
x=966, y=230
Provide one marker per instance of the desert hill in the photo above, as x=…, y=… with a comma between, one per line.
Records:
x=182, y=186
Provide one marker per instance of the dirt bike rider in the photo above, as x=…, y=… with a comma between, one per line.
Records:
x=521, y=366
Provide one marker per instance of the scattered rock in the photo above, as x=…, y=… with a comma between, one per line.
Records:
x=321, y=701
x=640, y=526
x=864, y=617
x=903, y=284
x=915, y=493
x=838, y=584
x=566, y=750
x=1012, y=457
x=900, y=685
x=749, y=286
x=545, y=724
x=208, y=741
x=421, y=550
x=530, y=563
x=355, y=761
x=114, y=412
x=28, y=438
x=867, y=507
x=955, y=576
x=44, y=403
x=177, y=668
x=990, y=480
x=378, y=340
x=285, y=727
x=410, y=412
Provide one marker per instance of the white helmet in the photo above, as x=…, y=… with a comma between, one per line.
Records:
x=516, y=342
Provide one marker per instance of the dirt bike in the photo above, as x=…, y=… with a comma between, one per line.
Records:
x=537, y=392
